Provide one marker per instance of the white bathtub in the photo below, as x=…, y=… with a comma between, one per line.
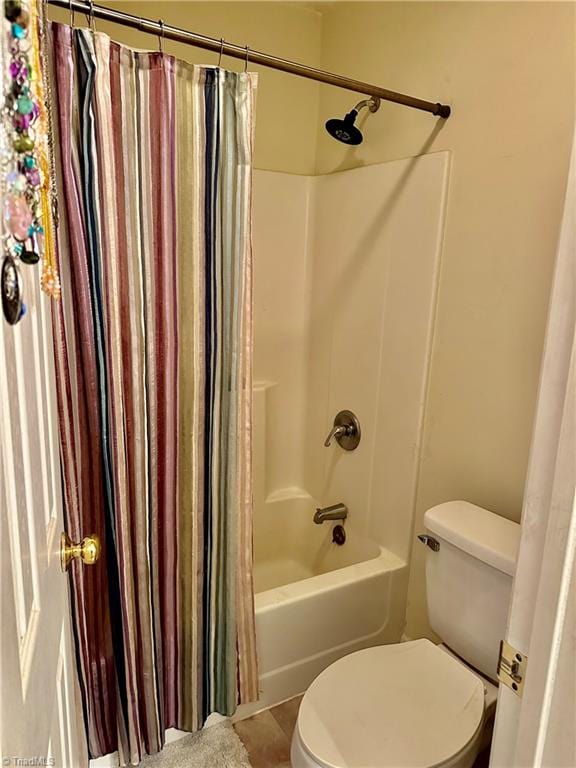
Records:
x=317, y=601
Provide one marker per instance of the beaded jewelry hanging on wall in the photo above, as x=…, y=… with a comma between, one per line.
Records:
x=28, y=194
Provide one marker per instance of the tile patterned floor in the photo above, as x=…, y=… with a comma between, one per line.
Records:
x=267, y=736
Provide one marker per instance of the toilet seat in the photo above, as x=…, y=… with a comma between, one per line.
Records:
x=408, y=704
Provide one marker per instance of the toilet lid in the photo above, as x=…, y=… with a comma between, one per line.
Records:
x=408, y=704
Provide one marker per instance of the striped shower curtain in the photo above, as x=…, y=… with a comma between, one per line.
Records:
x=153, y=353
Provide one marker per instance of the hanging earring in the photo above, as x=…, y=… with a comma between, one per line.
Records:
x=12, y=305
x=221, y=51
x=161, y=36
x=246, y=60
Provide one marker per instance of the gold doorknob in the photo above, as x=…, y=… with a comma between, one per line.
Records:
x=88, y=550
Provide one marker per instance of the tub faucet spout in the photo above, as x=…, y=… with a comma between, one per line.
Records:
x=335, y=512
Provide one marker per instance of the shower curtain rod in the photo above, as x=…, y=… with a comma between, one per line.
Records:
x=160, y=29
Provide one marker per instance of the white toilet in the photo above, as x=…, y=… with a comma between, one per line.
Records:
x=417, y=704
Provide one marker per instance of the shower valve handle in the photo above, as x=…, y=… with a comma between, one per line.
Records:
x=346, y=431
x=335, y=432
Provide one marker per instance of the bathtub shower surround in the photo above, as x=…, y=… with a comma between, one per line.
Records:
x=153, y=350
x=344, y=316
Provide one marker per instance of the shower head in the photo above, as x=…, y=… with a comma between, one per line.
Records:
x=345, y=130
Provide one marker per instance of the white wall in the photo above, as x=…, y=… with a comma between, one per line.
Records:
x=345, y=289
x=377, y=242
x=282, y=290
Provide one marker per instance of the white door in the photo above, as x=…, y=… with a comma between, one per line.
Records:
x=39, y=718
x=538, y=729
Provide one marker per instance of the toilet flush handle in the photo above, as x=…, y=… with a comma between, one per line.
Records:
x=430, y=541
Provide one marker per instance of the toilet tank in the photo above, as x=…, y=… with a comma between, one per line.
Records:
x=469, y=580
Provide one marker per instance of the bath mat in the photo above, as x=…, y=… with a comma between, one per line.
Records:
x=215, y=747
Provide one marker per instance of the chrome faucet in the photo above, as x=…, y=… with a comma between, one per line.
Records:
x=335, y=512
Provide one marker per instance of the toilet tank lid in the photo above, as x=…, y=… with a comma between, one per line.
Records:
x=488, y=537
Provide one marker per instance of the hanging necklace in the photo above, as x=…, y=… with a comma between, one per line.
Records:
x=50, y=280
x=27, y=179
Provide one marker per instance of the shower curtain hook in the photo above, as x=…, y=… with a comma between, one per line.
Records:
x=246, y=60
x=91, y=15
x=161, y=35
x=71, y=13
x=221, y=51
